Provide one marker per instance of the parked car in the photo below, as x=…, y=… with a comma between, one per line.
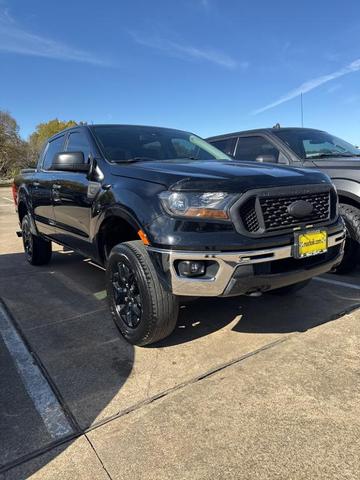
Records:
x=170, y=216
x=309, y=148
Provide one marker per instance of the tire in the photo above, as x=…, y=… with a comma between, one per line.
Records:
x=37, y=250
x=142, y=310
x=289, y=289
x=351, y=217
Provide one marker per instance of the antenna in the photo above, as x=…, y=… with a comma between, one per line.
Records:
x=302, y=110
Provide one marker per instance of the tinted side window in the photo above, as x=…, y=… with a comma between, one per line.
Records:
x=249, y=148
x=226, y=145
x=78, y=142
x=52, y=147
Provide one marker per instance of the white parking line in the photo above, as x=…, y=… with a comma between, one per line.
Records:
x=7, y=199
x=338, y=283
x=35, y=383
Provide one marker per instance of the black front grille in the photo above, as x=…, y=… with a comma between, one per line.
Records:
x=249, y=216
x=267, y=213
x=276, y=215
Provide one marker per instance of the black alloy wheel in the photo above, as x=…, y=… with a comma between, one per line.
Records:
x=126, y=294
x=37, y=249
x=27, y=240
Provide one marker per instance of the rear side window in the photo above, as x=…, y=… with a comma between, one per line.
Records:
x=78, y=142
x=55, y=146
x=226, y=145
x=249, y=148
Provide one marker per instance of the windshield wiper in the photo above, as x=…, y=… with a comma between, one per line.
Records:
x=332, y=155
x=183, y=158
x=136, y=159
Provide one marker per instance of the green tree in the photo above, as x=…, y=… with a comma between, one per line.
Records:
x=14, y=153
x=42, y=132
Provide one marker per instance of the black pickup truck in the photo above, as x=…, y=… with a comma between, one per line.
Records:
x=309, y=148
x=170, y=216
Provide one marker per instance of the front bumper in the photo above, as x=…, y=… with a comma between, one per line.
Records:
x=245, y=272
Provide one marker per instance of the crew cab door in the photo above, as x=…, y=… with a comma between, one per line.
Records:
x=41, y=188
x=73, y=200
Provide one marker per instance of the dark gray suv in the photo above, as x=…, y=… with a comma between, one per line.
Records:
x=306, y=147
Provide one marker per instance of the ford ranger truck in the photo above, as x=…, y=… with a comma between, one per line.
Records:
x=170, y=216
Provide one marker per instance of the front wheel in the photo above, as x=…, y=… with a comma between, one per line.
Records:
x=37, y=250
x=141, y=308
x=290, y=288
x=351, y=217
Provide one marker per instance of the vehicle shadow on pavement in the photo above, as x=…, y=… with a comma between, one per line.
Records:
x=316, y=304
x=61, y=310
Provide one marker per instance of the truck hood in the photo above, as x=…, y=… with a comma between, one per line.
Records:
x=340, y=168
x=344, y=162
x=217, y=175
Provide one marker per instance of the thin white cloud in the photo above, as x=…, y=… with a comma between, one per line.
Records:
x=187, y=52
x=334, y=88
x=311, y=84
x=13, y=39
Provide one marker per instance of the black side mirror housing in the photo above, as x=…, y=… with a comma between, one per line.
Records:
x=70, y=162
x=266, y=159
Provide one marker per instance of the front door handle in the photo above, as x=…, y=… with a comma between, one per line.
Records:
x=56, y=193
x=36, y=184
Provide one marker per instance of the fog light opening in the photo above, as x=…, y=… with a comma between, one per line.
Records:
x=191, y=268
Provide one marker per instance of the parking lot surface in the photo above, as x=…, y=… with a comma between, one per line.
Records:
x=262, y=387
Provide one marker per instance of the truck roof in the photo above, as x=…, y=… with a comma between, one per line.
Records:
x=259, y=130
x=93, y=125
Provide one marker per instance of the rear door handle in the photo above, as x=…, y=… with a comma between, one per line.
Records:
x=36, y=184
x=56, y=186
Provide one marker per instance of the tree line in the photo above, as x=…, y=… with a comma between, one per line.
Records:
x=16, y=153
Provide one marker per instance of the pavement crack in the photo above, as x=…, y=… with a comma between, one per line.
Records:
x=98, y=457
x=182, y=385
x=156, y=361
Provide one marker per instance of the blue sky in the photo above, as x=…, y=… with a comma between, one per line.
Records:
x=209, y=66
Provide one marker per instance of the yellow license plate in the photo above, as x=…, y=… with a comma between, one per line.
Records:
x=311, y=243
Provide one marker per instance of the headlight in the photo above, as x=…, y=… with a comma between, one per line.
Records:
x=192, y=204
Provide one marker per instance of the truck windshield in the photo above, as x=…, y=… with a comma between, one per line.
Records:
x=123, y=143
x=313, y=144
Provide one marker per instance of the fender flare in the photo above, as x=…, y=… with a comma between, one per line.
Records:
x=23, y=197
x=347, y=188
x=115, y=211
x=121, y=213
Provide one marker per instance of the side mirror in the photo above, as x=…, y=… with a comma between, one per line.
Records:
x=70, y=162
x=266, y=159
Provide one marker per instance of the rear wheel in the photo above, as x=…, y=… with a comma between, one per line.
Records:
x=141, y=308
x=290, y=288
x=37, y=250
x=351, y=216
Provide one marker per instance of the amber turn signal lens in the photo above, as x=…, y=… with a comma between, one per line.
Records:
x=143, y=237
x=207, y=213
